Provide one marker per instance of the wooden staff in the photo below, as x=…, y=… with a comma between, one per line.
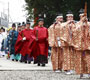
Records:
x=36, y=34
x=85, y=9
x=22, y=35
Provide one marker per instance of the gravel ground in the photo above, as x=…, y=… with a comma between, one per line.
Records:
x=36, y=75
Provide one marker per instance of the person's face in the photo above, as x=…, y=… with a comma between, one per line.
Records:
x=41, y=23
x=81, y=16
x=69, y=18
x=19, y=28
x=13, y=28
x=59, y=19
x=23, y=27
x=2, y=30
x=28, y=25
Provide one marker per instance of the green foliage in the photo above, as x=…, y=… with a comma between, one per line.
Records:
x=52, y=7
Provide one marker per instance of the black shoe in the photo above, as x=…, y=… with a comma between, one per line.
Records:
x=29, y=62
x=12, y=59
x=21, y=61
x=43, y=65
x=34, y=62
x=25, y=61
x=38, y=64
x=16, y=60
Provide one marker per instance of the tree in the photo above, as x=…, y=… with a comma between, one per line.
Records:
x=51, y=8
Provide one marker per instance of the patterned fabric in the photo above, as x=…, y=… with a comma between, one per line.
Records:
x=51, y=36
x=82, y=59
x=87, y=58
x=55, y=31
x=57, y=58
x=68, y=50
x=67, y=33
x=81, y=39
x=81, y=44
x=64, y=35
x=68, y=58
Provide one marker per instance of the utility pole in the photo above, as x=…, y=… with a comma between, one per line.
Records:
x=8, y=14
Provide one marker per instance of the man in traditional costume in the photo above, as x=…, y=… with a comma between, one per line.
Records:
x=22, y=44
x=12, y=37
x=67, y=37
x=41, y=49
x=55, y=31
x=82, y=46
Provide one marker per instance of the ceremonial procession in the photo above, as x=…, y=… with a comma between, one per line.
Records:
x=46, y=46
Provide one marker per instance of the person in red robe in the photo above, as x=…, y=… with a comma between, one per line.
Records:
x=41, y=48
x=22, y=44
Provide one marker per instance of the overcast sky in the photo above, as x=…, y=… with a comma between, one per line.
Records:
x=16, y=8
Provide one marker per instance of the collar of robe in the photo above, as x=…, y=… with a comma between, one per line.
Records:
x=40, y=26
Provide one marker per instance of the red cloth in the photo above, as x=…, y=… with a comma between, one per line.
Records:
x=41, y=47
x=19, y=43
x=23, y=46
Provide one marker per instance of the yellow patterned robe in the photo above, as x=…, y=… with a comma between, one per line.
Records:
x=56, y=51
x=68, y=50
x=82, y=46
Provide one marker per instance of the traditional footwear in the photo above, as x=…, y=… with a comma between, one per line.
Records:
x=72, y=71
x=16, y=60
x=21, y=61
x=25, y=61
x=43, y=65
x=57, y=71
x=38, y=64
x=68, y=73
x=29, y=62
x=12, y=59
x=81, y=75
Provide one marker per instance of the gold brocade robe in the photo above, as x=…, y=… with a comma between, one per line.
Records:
x=68, y=50
x=56, y=51
x=81, y=45
x=81, y=36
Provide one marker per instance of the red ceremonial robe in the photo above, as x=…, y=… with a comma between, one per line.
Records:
x=41, y=48
x=23, y=46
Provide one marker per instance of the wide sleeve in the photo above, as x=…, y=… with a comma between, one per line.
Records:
x=51, y=36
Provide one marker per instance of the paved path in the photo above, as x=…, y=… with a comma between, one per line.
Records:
x=13, y=65
x=36, y=75
x=10, y=70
